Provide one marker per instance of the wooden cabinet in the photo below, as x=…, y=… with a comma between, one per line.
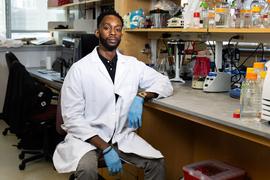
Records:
x=182, y=138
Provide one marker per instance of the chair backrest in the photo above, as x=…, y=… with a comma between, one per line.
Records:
x=59, y=118
x=10, y=57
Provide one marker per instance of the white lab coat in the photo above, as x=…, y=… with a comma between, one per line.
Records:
x=89, y=108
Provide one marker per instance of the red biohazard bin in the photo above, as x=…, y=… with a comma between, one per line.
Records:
x=212, y=170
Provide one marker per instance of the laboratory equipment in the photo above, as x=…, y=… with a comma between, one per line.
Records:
x=175, y=22
x=250, y=99
x=217, y=82
x=235, y=14
x=222, y=14
x=256, y=16
x=204, y=13
x=245, y=14
x=201, y=69
x=179, y=50
x=159, y=18
x=196, y=20
x=265, y=113
x=266, y=12
x=212, y=169
x=258, y=68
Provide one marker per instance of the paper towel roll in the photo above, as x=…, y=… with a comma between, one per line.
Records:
x=48, y=64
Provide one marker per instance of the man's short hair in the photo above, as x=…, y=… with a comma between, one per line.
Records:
x=106, y=13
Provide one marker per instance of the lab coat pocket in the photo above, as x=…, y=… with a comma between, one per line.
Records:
x=127, y=94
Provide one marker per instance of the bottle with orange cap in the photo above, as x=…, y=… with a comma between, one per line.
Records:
x=245, y=14
x=258, y=68
x=256, y=14
x=250, y=99
x=266, y=12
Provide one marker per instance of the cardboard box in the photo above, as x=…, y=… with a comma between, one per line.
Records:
x=212, y=170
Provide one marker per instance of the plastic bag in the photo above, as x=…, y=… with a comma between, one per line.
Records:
x=167, y=6
x=10, y=43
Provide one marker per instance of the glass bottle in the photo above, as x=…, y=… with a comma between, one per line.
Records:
x=250, y=99
x=222, y=14
x=258, y=68
x=267, y=12
x=245, y=14
x=212, y=22
x=235, y=14
x=204, y=13
x=211, y=12
x=256, y=16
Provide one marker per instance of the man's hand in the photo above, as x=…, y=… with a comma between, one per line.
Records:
x=135, y=113
x=112, y=161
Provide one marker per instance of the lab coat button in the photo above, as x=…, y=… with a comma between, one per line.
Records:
x=113, y=114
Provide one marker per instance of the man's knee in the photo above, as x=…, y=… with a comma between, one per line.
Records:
x=87, y=167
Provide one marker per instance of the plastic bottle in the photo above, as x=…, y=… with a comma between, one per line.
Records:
x=245, y=14
x=222, y=14
x=212, y=23
x=258, y=68
x=235, y=14
x=204, y=13
x=196, y=20
x=250, y=99
x=266, y=12
x=211, y=12
x=256, y=16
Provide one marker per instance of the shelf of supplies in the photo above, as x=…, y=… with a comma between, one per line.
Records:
x=242, y=30
x=75, y=5
x=166, y=30
x=214, y=30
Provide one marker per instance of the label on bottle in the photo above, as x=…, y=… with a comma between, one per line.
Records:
x=257, y=9
x=211, y=14
x=220, y=10
x=245, y=11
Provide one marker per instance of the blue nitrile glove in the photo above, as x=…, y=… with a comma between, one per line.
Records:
x=135, y=112
x=113, y=161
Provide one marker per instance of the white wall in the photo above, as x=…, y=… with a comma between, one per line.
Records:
x=32, y=56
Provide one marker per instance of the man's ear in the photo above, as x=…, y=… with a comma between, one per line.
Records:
x=97, y=33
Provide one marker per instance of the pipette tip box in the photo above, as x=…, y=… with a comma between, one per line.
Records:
x=212, y=170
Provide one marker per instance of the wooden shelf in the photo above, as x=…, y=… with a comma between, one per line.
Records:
x=61, y=30
x=75, y=5
x=246, y=30
x=214, y=30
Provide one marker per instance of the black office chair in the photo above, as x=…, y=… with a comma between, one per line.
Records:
x=26, y=106
x=10, y=57
x=59, y=122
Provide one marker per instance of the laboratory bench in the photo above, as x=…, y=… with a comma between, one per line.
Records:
x=192, y=125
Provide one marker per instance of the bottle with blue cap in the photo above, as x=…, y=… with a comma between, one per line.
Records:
x=263, y=61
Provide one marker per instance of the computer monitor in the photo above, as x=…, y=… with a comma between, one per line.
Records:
x=87, y=43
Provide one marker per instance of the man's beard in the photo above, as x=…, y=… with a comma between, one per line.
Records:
x=107, y=46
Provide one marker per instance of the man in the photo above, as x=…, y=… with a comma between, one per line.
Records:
x=101, y=109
